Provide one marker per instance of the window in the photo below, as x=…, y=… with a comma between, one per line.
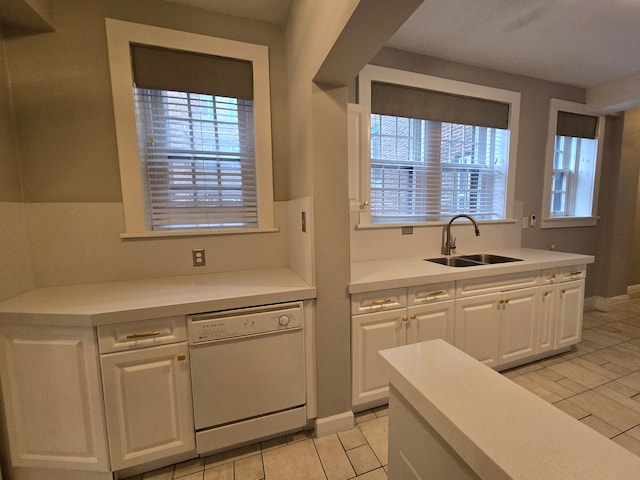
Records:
x=425, y=170
x=572, y=166
x=193, y=127
x=437, y=148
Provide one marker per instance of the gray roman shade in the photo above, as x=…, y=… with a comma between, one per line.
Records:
x=410, y=102
x=163, y=69
x=576, y=125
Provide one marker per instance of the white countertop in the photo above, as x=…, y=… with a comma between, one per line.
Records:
x=501, y=430
x=404, y=272
x=123, y=301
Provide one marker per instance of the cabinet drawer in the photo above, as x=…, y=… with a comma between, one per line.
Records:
x=564, y=274
x=368, y=302
x=145, y=333
x=433, y=292
x=496, y=283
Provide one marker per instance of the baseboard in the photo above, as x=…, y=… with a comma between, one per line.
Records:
x=633, y=291
x=621, y=302
x=590, y=304
x=334, y=424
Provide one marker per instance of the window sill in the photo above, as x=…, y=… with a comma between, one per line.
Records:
x=196, y=233
x=378, y=226
x=568, y=222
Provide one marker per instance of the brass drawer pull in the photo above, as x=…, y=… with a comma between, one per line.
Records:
x=575, y=273
x=143, y=335
x=182, y=357
x=434, y=294
x=381, y=301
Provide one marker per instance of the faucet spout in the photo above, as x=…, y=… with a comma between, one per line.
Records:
x=449, y=243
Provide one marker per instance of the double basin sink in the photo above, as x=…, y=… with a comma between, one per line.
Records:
x=472, y=260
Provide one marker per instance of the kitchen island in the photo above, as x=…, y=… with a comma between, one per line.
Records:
x=452, y=417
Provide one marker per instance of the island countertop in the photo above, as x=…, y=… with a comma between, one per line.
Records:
x=408, y=271
x=131, y=300
x=501, y=430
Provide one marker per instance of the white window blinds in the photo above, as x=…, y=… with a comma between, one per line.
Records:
x=196, y=139
x=427, y=165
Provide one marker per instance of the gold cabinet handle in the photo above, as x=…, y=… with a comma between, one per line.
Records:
x=501, y=301
x=433, y=294
x=364, y=204
x=381, y=301
x=563, y=291
x=181, y=357
x=143, y=335
x=405, y=318
x=412, y=317
x=575, y=273
x=506, y=301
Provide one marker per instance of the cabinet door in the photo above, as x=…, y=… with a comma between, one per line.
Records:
x=429, y=322
x=570, y=299
x=477, y=327
x=519, y=324
x=148, y=402
x=371, y=333
x=50, y=380
x=547, y=318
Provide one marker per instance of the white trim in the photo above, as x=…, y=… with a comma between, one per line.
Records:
x=556, y=105
x=380, y=226
x=334, y=424
x=120, y=35
x=196, y=233
x=621, y=302
x=633, y=291
x=567, y=222
x=401, y=77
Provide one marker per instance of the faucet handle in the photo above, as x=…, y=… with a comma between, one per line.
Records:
x=452, y=243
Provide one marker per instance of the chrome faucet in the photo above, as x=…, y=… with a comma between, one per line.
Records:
x=449, y=243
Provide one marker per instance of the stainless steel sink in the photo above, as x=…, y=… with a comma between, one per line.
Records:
x=474, y=260
x=453, y=261
x=489, y=258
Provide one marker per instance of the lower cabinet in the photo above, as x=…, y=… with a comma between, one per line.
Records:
x=498, y=328
x=372, y=332
x=53, y=398
x=567, y=305
x=501, y=320
x=147, y=395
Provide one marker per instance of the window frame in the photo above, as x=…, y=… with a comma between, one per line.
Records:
x=568, y=221
x=372, y=73
x=120, y=35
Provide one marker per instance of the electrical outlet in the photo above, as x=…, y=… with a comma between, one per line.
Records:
x=408, y=230
x=199, y=258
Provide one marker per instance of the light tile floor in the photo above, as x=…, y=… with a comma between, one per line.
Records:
x=597, y=382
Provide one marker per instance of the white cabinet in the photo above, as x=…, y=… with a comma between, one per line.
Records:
x=563, y=304
x=570, y=298
x=477, y=327
x=371, y=333
x=390, y=318
x=147, y=391
x=428, y=322
x=52, y=397
x=498, y=328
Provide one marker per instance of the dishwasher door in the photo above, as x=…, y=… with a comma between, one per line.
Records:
x=246, y=377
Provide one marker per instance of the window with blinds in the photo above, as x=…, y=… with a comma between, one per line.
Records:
x=435, y=155
x=574, y=165
x=195, y=124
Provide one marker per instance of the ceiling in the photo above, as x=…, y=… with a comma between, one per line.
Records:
x=577, y=42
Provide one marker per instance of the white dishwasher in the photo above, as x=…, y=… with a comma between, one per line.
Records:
x=247, y=374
